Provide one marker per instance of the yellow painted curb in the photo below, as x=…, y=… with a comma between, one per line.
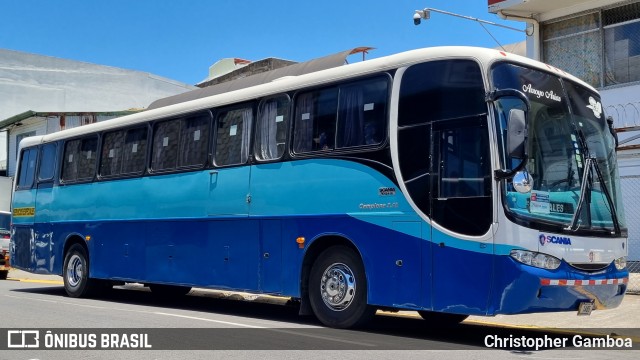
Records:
x=53, y=282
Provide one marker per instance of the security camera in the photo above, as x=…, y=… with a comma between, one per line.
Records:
x=416, y=18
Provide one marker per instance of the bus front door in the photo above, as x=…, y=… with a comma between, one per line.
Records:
x=462, y=214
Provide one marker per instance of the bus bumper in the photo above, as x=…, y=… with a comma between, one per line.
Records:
x=4, y=261
x=522, y=289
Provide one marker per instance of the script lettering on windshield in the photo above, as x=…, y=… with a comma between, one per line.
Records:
x=528, y=88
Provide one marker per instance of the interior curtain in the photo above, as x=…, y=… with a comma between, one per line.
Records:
x=247, y=117
x=268, y=131
x=303, y=137
x=352, y=116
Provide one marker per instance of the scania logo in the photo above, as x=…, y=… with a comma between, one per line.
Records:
x=553, y=239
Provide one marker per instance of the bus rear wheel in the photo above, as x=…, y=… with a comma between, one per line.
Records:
x=338, y=289
x=75, y=273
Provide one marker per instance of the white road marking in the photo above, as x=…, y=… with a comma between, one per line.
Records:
x=210, y=320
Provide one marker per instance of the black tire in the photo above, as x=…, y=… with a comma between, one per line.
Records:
x=338, y=289
x=4, y=274
x=169, y=291
x=439, y=318
x=75, y=273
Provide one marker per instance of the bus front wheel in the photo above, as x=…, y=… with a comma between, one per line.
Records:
x=338, y=289
x=76, y=273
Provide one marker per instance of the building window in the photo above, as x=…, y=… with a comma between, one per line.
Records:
x=622, y=44
x=19, y=138
x=575, y=46
x=602, y=48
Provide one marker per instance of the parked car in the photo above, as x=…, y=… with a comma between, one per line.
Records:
x=5, y=236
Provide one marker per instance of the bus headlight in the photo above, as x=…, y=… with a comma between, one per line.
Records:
x=539, y=260
x=621, y=263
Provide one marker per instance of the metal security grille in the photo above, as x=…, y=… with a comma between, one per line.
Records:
x=602, y=47
x=575, y=46
x=621, y=14
x=622, y=44
x=631, y=202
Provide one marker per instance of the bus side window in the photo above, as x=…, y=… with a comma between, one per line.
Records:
x=46, y=169
x=194, y=141
x=362, y=113
x=271, y=132
x=315, y=121
x=27, y=168
x=135, y=151
x=124, y=152
x=111, y=158
x=87, y=160
x=79, y=159
x=464, y=164
x=164, y=154
x=232, y=138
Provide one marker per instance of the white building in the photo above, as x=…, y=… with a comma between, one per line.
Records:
x=42, y=94
x=598, y=41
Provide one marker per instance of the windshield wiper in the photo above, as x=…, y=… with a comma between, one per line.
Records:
x=585, y=189
x=607, y=195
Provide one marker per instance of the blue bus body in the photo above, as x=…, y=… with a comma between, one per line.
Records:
x=259, y=228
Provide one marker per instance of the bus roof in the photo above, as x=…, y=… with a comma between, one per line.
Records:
x=483, y=55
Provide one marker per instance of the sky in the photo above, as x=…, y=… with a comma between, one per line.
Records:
x=179, y=40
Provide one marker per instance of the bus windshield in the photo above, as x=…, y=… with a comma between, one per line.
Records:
x=571, y=154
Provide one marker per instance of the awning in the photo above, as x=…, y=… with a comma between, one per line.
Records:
x=307, y=67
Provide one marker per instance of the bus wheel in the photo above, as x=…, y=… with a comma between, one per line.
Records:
x=338, y=289
x=75, y=273
x=4, y=274
x=438, y=318
x=168, y=291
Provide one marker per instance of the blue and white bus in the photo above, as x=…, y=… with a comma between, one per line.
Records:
x=452, y=181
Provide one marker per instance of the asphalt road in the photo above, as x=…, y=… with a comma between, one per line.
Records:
x=207, y=324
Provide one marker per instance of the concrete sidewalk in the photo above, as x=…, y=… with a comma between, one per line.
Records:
x=625, y=317
x=623, y=320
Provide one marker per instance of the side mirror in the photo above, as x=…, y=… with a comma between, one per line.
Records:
x=516, y=134
x=522, y=182
x=516, y=137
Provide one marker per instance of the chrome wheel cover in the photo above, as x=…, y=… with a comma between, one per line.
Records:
x=338, y=287
x=75, y=271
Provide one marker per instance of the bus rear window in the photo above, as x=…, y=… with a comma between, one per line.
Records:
x=27, y=168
